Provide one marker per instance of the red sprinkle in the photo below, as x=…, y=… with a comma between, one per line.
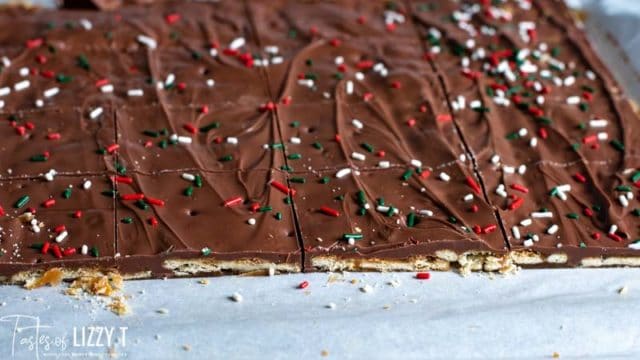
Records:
x=411, y=122
x=423, y=276
x=59, y=228
x=587, y=212
x=580, y=178
x=131, y=197
x=473, y=184
x=254, y=207
x=520, y=188
x=329, y=211
x=154, y=201
x=172, y=18
x=77, y=214
x=303, y=285
x=53, y=136
x=153, y=221
x=489, y=229
x=474, y=208
x=69, y=251
x=190, y=128
x=34, y=43
x=49, y=203
x=233, y=201
x=113, y=147
x=516, y=203
x=425, y=174
x=282, y=187
x=45, y=248
x=56, y=251
x=614, y=236
x=444, y=118
x=122, y=180
x=595, y=235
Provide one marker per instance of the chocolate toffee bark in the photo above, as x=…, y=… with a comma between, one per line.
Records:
x=237, y=136
x=184, y=223
x=396, y=219
x=67, y=222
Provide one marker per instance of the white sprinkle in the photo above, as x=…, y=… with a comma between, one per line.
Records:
x=95, y=113
x=526, y=222
x=272, y=271
x=541, y=214
x=86, y=24
x=210, y=82
x=24, y=71
x=135, y=92
x=523, y=132
x=416, y=163
x=623, y=200
x=613, y=229
x=1, y=104
x=349, y=87
x=237, y=43
x=602, y=136
x=384, y=164
x=540, y=100
x=358, y=156
x=50, y=174
x=251, y=221
x=635, y=245
x=6, y=62
x=533, y=142
x=516, y=232
x=61, y=236
x=425, y=212
x=528, y=243
x=500, y=190
x=343, y=172
x=590, y=75
x=169, y=80
x=5, y=91
x=232, y=140
x=39, y=103
x=508, y=169
x=522, y=169
x=573, y=100
x=552, y=229
x=295, y=140
x=569, y=80
x=84, y=250
x=564, y=188
x=359, y=76
x=19, y=86
x=51, y=92
x=367, y=289
x=495, y=159
x=331, y=306
x=184, y=140
x=106, y=88
x=86, y=185
x=468, y=197
x=444, y=176
x=188, y=177
x=598, y=123
x=237, y=297
x=147, y=41
x=357, y=123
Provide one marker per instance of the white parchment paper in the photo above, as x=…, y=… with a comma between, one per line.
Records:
x=575, y=313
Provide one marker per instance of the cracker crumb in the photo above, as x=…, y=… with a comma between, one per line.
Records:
x=555, y=355
x=186, y=347
x=51, y=277
x=367, y=289
x=203, y=281
x=324, y=353
x=236, y=297
x=162, y=311
x=119, y=306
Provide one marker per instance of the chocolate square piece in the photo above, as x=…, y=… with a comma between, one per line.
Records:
x=65, y=222
x=65, y=140
x=396, y=219
x=191, y=222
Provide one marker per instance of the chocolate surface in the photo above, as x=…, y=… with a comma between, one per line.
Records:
x=276, y=133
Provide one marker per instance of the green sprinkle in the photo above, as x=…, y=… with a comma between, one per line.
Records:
x=295, y=124
x=623, y=188
x=380, y=201
x=36, y=246
x=617, y=144
x=512, y=136
x=582, y=244
x=367, y=147
x=265, y=209
x=163, y=144
x=150, y=133
x=287, y=200
x=596, y=208
x=325, y=180
x=286, y=168
x=95, y=252
x=407, y=174
x=573, y=216
x=38, y=158
x=207, y=128
x=198, y=181
x=636, y=176
x=109, y=193
x=298, y=180
x=582, y=126
x=278, y=216
x=362, y=199
x=452, y=219
x=63, y=79
x=206, y=251
x=196, y=55
x=575, y=146
x=83, y=62
x=544, y=120
x=317, y=145
x=352, y=236
x=295, y=156
x=339, y=197
x=636, y=212
x=362, y=211
x=24, y=199
x=141, y=204
x=226, y=158
x=188, y=191
x=583, y=107
x=121, y=169
x=411, y=219
x=277, y=146
x=67, y=193
x=127, y=220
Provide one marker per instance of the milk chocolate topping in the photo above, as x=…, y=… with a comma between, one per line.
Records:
x=285, y=132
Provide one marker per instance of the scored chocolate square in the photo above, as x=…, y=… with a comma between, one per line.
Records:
x=68, y=222
x=396, y=219
x=206, y=222
x=61, y=140
x=155, y=138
